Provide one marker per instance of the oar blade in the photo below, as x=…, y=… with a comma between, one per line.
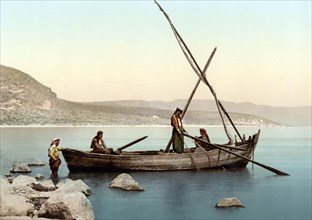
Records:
x=278, y=172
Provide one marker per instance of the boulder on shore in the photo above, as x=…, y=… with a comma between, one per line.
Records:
x=69, y=185
x=14, y=205
x=8, y=175
x=23, y=218
x=67, y=206
x=46, y=185
x=23, y=180
x=11, y=204
x=5, y=188
x=10, y=179
x=126, y=182
x=19, y=167
x=229, y=202
x=39, y=176
x=27, y=197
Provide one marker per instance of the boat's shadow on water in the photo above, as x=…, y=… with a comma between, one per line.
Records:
x=172, y=179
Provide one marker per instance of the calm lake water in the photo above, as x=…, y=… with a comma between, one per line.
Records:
x=182, y=195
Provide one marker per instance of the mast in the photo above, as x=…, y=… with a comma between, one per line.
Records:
x=194, y=65
x=193, y=93
x=198, y=82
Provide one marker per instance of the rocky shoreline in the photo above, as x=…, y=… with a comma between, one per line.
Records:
x=26, y=197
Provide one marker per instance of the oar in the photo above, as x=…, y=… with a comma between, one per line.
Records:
x=278, y=172
x=131, y=143
x=190, y=58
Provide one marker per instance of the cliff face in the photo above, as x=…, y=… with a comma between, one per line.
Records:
x=25, y=101
x=23, y=98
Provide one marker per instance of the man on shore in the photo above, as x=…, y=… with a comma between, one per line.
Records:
x=54, y=155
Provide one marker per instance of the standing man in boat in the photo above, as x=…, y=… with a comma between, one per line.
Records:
x=98, y=145
x=54, y=155
x=177, y=131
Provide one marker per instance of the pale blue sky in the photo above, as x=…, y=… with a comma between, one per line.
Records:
x=108, y=50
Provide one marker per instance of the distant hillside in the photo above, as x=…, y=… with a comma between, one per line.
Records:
x=293, y=116
x=25, y=101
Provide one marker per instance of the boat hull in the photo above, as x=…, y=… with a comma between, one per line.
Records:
x=81, y=161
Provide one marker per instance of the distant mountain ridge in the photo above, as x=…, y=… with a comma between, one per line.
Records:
x=25, y=101
x=293, y=116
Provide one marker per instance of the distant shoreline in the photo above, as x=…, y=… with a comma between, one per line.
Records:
x=138, y=126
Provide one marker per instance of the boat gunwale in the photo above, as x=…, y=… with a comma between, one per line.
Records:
x=242, y=145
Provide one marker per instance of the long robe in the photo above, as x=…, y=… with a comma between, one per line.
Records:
x=177, y=139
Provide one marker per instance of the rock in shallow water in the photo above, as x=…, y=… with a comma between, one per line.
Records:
x=229, y=202
x=36, y=163
x=19, y=167
x=126, y=182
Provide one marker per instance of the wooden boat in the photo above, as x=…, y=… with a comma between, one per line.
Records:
x=196, y=158
x=226, y=156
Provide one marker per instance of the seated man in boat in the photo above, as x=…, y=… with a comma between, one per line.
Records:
x=177, y=131
x=204, y=136
x=98, y=145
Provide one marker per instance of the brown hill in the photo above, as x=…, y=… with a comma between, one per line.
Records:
x=25, y=101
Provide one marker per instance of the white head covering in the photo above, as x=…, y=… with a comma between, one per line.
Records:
x=53, y=141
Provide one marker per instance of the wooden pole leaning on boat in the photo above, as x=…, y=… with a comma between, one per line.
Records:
x=193, y=93
x=130, y=144
x=232, y=123
x=278, y=172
